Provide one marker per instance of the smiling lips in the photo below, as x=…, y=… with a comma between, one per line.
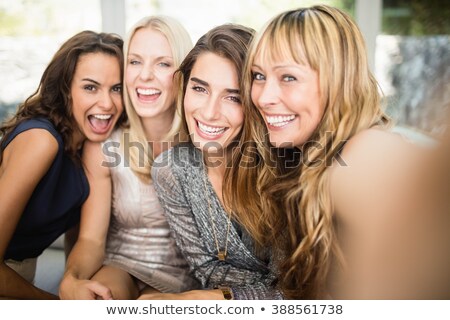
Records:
x=279, y=120
x=147, y=94
x=100, y=123
x=209, y=130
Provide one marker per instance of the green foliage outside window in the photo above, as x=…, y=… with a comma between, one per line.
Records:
x=416, y=17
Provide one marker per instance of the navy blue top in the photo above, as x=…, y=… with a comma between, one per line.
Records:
x=54, y=206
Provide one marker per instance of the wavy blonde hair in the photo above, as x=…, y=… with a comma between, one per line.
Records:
x=180, y=43
x=294, y=212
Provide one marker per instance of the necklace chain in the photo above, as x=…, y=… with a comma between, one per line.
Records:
x=221, y=254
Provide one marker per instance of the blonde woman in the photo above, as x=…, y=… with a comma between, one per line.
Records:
x=333, y=205
x=136, y=252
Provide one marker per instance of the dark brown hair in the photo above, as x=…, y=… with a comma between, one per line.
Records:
x=230, y=41
x=52, y=97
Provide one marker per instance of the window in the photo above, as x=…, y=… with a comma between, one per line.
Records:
x=30, y=33
x=412, y=59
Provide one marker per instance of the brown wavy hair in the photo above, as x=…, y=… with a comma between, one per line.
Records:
x=51, y=99
x=286, y=201
x=230, y=41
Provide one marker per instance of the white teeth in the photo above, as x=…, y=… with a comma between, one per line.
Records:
x=102, y=116
x=148, y=92
x=279, y=121
x=210, y=130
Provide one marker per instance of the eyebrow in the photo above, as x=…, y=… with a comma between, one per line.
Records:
x=98, y=83
x=139, y=56
x=203, y=83
x=91, y=80
x=300, y=67
x=206, y=84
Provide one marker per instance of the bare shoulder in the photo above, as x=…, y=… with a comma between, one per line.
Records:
x=36, y=145
x=376, y=165
x=94, y=160
x=377, y=144
x=374, y=149
x=386, y=215
x=26, y=160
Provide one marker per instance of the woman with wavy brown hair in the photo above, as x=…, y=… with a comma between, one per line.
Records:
x=320, y=177
x=125, y=245
x=189, y=178
x=42, y=181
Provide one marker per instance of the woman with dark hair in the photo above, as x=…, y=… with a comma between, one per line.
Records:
x=189, y=178
x=125, y=243
x=42, y=182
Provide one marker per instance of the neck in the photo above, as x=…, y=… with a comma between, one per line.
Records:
x=156, y=130
x=216, y=163
x=215, y=166
x=77, y=140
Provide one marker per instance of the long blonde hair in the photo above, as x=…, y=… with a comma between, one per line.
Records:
x=295, y=212
x=181, y=43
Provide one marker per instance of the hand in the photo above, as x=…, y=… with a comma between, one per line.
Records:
x=188, y=295
x=75, y=289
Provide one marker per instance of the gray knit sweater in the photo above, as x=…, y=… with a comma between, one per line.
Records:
x=178, y=176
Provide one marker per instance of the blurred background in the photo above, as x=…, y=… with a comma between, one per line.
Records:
x=408, y=42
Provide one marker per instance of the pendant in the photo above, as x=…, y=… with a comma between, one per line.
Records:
x=221, y=255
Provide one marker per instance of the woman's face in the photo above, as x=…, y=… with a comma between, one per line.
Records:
x=212, y=103
x=287, y=95
x=149, y=73
x=96, y=96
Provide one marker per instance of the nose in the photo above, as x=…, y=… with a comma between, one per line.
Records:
x=212, y=108
x=106, y=101
x=266, y=95
x=147, y=73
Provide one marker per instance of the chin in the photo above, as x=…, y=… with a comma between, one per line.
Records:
x=98, y=137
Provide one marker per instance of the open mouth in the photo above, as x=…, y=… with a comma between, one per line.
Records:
x=100, y=123
x=148, y=94
x=280, y=120
x=210, y=130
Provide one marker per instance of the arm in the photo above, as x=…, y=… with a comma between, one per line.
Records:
x=386, y=233
x=87, y=255
x=25, y=161
x=208, y=270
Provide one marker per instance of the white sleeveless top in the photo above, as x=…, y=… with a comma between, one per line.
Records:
x=139, y=239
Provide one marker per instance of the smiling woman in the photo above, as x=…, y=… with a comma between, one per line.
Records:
x=189, y=178
x=78, y=99
x=125, y=245
x=212, y=103
x=351, y=221
x=96, y=92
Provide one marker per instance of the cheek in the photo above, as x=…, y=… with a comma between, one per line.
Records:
x=254, y=94
x=77, y=113
x=168, y=87
x=188, y=105
x=118, y=102
x=78, y=102
x=130, y=75
x=167, y=79
x=237, y=116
